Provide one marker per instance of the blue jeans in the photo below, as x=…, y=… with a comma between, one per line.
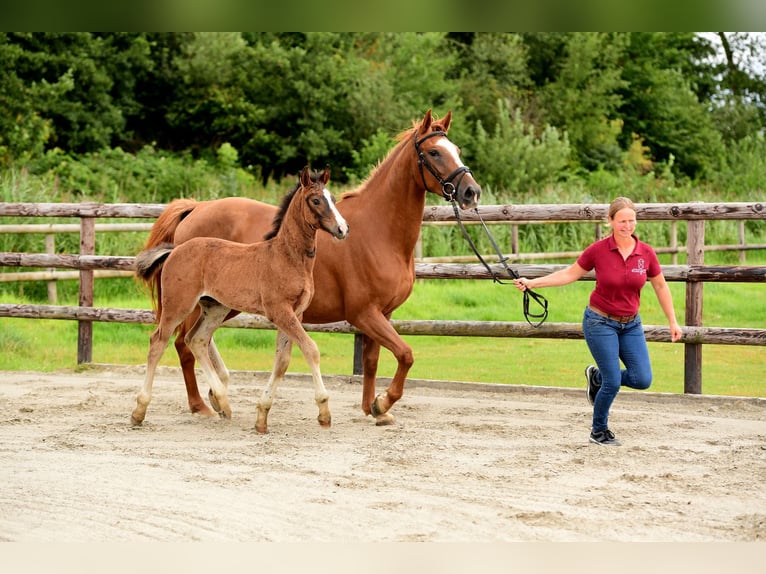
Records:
x=610, y=342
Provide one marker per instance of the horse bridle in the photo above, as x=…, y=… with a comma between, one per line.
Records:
x=449, y=191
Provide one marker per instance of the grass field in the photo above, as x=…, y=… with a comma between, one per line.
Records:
x=50, y=345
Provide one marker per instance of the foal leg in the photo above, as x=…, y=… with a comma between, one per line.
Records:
x=220, y=368
x=311, y=353
x=157, y=343
x=290, y=327
x=199, y=339
x=188, y=361
x=217, y=361
x=269, y=393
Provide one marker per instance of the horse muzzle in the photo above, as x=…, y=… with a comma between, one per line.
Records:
x=341, y=231
x=468, y=195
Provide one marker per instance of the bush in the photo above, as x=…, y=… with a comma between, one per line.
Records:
x=514, y=159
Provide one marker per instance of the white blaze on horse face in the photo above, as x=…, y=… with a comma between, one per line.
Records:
x=342, y=225
x=451, y=149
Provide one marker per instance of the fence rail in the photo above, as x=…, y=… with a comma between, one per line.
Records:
x=694, y=274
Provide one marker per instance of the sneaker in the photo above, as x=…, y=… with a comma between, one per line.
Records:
x=591, y=387
x=604, y=437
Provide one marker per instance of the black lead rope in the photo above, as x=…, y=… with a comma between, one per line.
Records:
x=528, y=293
x=449, y=191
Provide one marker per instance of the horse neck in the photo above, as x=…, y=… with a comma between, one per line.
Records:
x=394, y=199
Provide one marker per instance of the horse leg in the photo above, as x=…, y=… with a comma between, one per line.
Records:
x=157, y=343
x=187, y=361
x=217, y=361
x=281, y=362
x=370, y=360
x=199, y=339
x=220, y=368
x=378, y=331
x=291, y=328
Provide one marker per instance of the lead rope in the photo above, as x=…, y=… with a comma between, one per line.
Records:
x=528, y=293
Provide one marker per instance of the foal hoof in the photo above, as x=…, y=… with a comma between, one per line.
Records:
x=384, y=420
x=136, y=417
x=213, y=401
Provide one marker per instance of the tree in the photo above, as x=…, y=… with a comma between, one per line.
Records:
x=661, y=102
x=583, y=97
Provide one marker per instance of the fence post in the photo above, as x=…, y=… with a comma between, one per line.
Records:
x=695, y=255
x=741, y=233
x=515, y=239
x=85, y=328
x=674, y=242
x=50, y=249
x=358, y=348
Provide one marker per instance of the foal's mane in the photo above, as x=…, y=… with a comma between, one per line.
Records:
x=285, y=203
x=403, y=139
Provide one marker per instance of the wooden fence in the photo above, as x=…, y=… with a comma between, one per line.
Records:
x=694, y=274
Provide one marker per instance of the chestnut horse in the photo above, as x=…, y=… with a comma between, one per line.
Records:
x=364, y=279
x=272, y=278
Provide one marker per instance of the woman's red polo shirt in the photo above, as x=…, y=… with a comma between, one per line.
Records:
x=619, y=281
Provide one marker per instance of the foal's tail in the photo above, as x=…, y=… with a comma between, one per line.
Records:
x=162, y=234
x=148, y=265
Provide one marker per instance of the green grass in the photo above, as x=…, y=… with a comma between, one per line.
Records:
x=49, y=345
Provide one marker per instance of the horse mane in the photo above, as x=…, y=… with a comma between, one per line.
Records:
x=284, y=204
x=403, y=140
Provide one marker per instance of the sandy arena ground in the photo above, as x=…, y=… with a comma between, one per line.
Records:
x=462, y=464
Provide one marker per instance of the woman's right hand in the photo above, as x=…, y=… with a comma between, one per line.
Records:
x=521, y=283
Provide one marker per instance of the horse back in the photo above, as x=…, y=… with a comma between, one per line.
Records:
x=234, y=218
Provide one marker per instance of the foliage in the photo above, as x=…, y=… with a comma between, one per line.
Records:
x=515, y=158
x=583, y=98
x=283, y=99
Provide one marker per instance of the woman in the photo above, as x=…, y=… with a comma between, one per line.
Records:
x=611, y=323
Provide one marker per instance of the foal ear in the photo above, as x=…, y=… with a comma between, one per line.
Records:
x=306, y=177
x=326, y=175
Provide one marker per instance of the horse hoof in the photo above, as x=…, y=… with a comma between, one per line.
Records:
x=201, y=410
x=324, y=424
x=375, y=410
x=384, y=420
x=135, y=422
x=261, y=429
x=213, y=401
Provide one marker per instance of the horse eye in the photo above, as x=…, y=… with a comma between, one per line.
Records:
x=433, y=153
x=315, y=201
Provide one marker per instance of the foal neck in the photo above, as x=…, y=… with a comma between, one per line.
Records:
x=297, y=235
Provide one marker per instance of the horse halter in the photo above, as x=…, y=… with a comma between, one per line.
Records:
x=449, y=189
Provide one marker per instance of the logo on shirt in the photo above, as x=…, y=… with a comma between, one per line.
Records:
x=641, y=270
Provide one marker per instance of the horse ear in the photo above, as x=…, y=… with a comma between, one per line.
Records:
x=446, y=121
x=326, y=175
x=425, y=125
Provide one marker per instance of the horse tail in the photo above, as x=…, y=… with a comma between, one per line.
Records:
x=164, y=228
x=148, y=265
x=162, y=233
